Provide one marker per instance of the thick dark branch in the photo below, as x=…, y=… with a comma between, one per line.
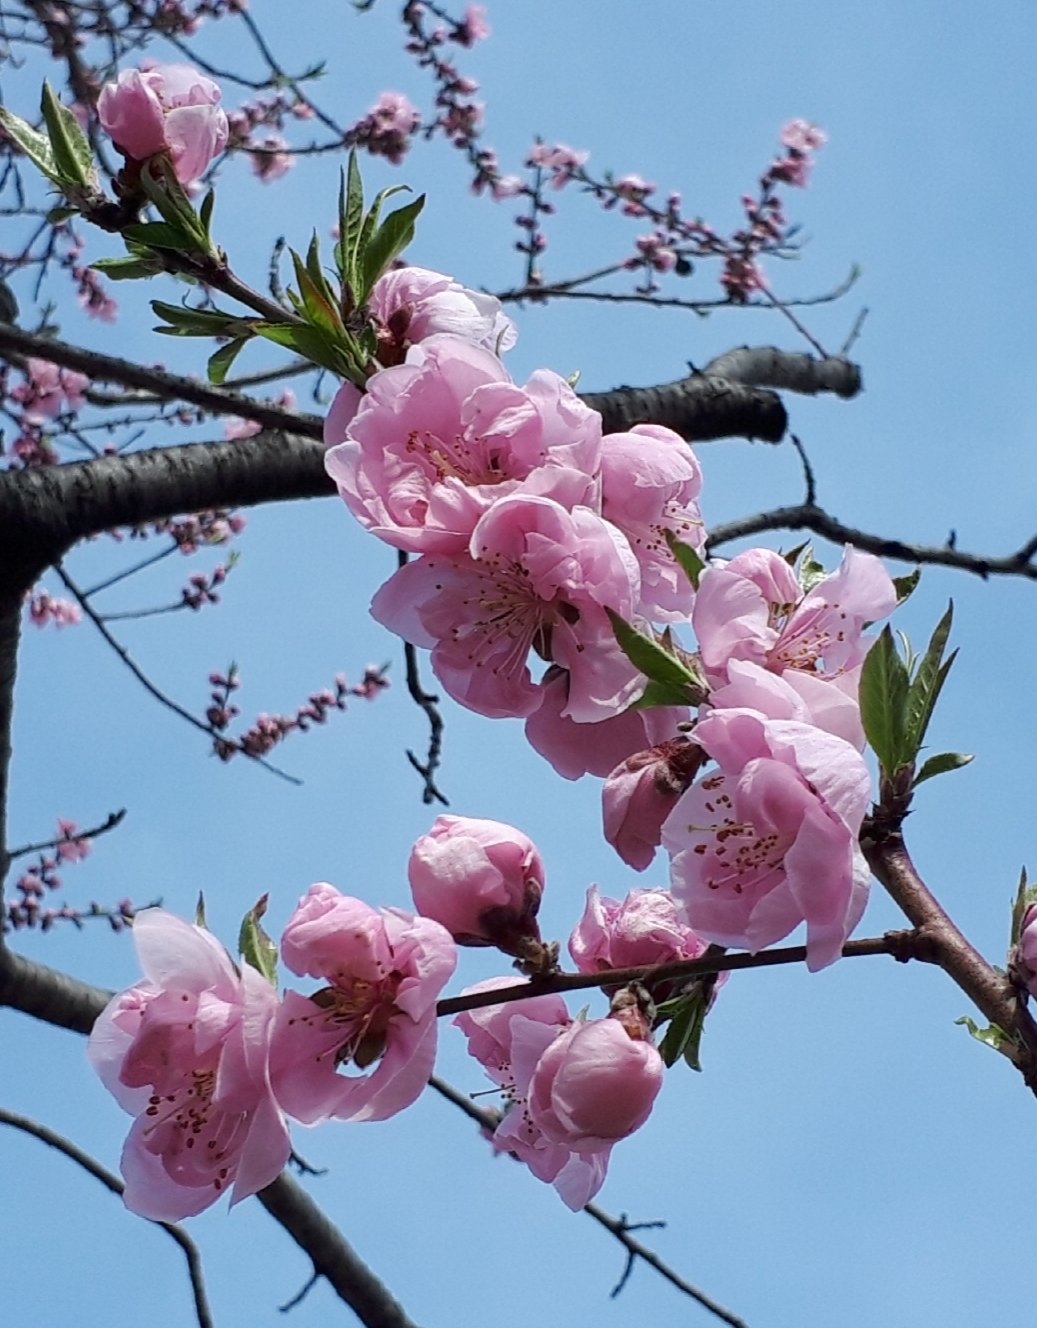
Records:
x=728, y=398
x=808, y=516
x=44, y=511
x=115, y=1185
x=163, y=385
x=698, y=407
x=766, y=366
x=46, y=994
x=333, y=1258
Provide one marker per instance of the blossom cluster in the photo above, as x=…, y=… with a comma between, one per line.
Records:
x=532, y=533
x=212, y=1061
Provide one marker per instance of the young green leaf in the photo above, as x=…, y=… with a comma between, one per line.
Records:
x=940, y=764
x=683, y=1036
x=205, y=213
x=127, y=269
x=187, y=322
x=658, y=664
x=391, y=238
x=883, y=699
x=255, y=946
x=905, y=585
x=928, y=682
x=72, y=153
x=990, y=1037
x=221, y=361
x=690, y=563
x=159, y=235
x=35, y=145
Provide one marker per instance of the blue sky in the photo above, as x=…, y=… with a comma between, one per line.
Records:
x=848, y=1156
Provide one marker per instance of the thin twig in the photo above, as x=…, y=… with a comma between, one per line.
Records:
x=901, y=945
x=110, y=822
x=152, y=689
x=113, y=1183
x=488, y=1120
x=805, y=516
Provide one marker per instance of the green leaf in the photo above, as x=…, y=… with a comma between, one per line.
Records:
x=905, y=585
x=810, y=572
x=221, y=361
x=657, y=664
x=199, y=912
x=939, y=765
x=159, y=182
x=72, y=153
x=350, y=221
x=1025, y=895
x=35, y=145
x=883, y=699
x=205, y=212
x=200, y=322
x=793, y=555
x=315, y=305
x=255, y=946
x=990, y=1037
x=304, y=340
x=391, y=238
x=690, y=563
x=159, y=235
x=57, y=215
x=928, y=682
x=127, y=269
x=683, y=1036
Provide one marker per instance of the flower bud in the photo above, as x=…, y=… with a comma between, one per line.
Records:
x=593, y=1085
x=168, y=108
x=480, y=879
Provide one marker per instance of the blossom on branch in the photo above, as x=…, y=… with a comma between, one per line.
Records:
x=167, y=108
x=435, y=441
x=363, y=1046
x=480, y=879
x=536, y=578
x=770, y=841
x=185, y=1051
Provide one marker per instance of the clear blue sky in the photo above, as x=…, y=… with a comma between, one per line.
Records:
x=849, y=1156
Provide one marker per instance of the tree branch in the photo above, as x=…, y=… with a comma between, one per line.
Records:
x=808, y=516
x=618, y=1226
x=113, y=1183
x=902, y=945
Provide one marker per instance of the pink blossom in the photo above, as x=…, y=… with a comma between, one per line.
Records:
x=640, y=793
x=647, y=927
x=410, y=304
x=482, y=880
x=72, y=846
x=167, y=108
x=575, y=749
x=45, y=387
x=829, y=703
x=656, y=252
x=508, y=1041
x=754, y=608
x=538, y=577
x=474, y=28
x=1026, y=952
x=273, y=158
x=650, y=483
x=185, y=1051
x=387, y=128
x=594, y=1085
x=375, y=1020
x=803, y=136
x=435, y=441
x=770, y=840
x=44, y=609
x=562, y=161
